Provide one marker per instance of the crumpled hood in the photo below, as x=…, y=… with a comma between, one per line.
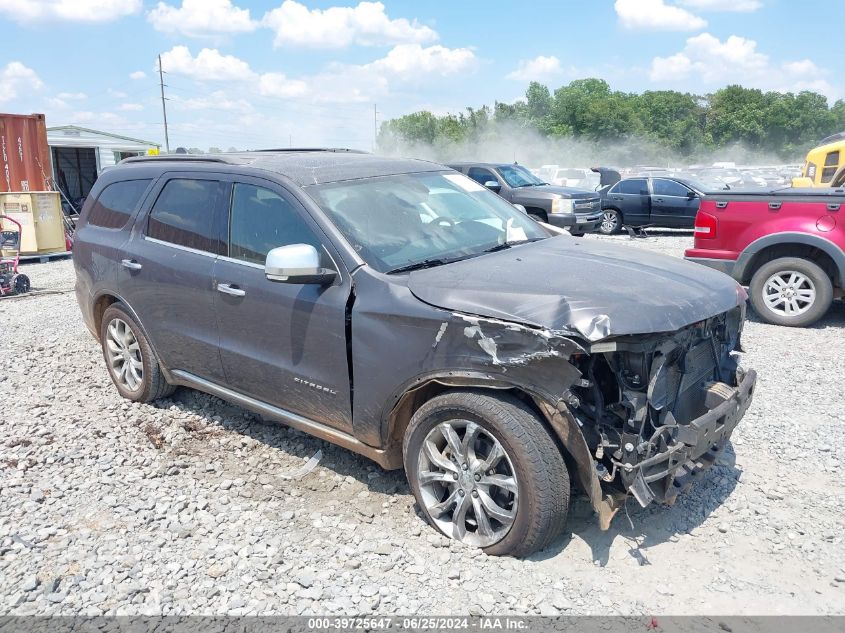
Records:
x=594, y=289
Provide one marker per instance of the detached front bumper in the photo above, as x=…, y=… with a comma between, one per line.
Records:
x=692, y=448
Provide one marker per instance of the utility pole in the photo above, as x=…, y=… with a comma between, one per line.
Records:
x=375, y=126
x=163, y=106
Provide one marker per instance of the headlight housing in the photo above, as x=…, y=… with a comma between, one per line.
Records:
x=562, y=205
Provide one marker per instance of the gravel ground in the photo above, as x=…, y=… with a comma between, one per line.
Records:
x=183, y=507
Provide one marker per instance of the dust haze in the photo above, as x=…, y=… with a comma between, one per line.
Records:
x=510, y=143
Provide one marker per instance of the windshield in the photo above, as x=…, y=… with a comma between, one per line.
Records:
x=518, y=176
x=408, y=219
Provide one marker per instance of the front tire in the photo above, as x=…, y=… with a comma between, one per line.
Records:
x=485, y=471
x=611, y=222
x=791, y=291
x=22, y=284
x=132, y=365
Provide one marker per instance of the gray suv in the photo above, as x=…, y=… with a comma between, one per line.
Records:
x=403, y=311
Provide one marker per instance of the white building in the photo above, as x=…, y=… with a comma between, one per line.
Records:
x=80, y=154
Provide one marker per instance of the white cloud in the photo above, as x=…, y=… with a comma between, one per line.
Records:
x=209, y=65
x=73, y=96
x=70, y=10
x=735, y=59
x=674, y=67
x=15, y=78
x=410, y=61
x=217, y=100
x=201, y=18
x=804, y=67
x=337, y=83
x=540, y=68
x=366, y=24
x=130, y=107
x=138, y=74
x=278, y=85
x=707, y=59
x=656, y=15
x=739, y=6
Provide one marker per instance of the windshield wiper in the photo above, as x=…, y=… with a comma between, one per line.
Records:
x=506, y=245
x=426, y=263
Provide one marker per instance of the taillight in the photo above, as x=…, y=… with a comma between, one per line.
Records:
x=705, y=226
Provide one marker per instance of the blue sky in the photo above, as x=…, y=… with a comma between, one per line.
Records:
x=266, y=73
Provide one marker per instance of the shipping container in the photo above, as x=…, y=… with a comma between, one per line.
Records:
x=24, y=153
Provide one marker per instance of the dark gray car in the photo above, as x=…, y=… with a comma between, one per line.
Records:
x=570, y=208
x=402, y=311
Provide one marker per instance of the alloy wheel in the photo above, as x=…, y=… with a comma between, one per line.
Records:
x=124, y=355
x=468, y=483
x=789, y=293
x=608, y=221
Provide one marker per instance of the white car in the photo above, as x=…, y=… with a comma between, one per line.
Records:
x=576, y=177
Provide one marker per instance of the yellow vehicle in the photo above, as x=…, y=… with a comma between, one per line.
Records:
x=824, y=163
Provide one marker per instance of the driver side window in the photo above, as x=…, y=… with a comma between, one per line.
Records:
x=261, y=220
x=480, y=175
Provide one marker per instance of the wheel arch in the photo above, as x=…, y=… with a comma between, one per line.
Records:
x=822, y=251
x=532, y=210
x=106, y=299
x=557, y=419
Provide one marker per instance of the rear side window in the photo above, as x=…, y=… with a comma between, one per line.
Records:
x=116, y=203
x=184, y=214
x=635, y=186
x=831, y=163
x=669, y=188
x=261, y=220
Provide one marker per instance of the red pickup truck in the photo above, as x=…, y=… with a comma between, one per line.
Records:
x=788, y=246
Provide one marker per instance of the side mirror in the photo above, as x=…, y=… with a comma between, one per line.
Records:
x=297, y=264
x=692, y=195
x=492, y=185
x=521, y=208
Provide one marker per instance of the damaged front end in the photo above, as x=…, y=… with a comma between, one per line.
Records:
x=656, y=409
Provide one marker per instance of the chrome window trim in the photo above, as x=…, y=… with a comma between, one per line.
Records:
x=179, y=247
x=233, y=260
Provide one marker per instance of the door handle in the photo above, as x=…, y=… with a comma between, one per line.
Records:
x=658, y=199
x=131, y=264
x=228, y=289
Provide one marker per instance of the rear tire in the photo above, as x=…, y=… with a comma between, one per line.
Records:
x=791, y=291
x=522, y=497
x=611, y=222
x=132, y=365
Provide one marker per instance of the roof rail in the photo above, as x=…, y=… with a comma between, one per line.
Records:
x=188, y=158
x=311, y=149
